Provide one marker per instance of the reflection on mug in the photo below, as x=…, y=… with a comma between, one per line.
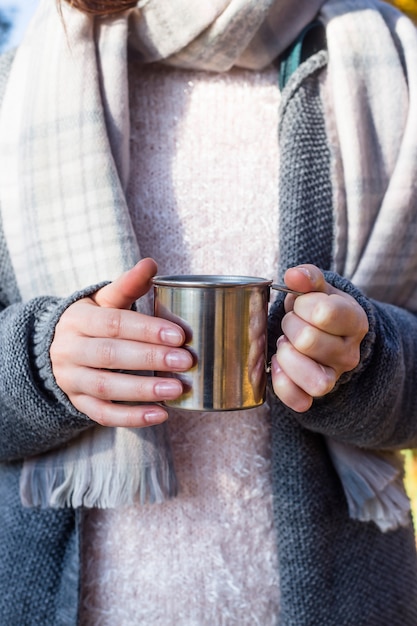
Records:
x=258, y=315
x=225, y=321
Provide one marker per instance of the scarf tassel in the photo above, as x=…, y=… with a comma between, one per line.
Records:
x=137, y=473
x=373, y=484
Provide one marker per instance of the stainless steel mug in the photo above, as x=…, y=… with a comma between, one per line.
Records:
x=225, y=323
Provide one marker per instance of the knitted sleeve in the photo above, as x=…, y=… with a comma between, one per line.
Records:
x=35, y=415
x=374, y=405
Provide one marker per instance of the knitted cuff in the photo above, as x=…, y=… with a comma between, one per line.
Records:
x=43, y=336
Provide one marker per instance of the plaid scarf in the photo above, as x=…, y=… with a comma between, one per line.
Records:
x=63, y=190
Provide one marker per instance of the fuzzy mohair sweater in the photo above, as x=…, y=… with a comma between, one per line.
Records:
x=207, y=556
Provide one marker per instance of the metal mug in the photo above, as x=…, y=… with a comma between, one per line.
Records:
x=225, y=322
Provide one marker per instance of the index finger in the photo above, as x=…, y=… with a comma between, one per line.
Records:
x=111, y=323
x=336, y=313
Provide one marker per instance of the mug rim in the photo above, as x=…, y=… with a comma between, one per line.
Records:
x=209, y=280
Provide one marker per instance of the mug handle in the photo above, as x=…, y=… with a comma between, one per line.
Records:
x=285, y=289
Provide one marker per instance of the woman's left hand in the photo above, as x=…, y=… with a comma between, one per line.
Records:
x=323, y=329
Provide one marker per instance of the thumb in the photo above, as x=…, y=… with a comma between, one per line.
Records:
x=125, y=290
x=306, y=278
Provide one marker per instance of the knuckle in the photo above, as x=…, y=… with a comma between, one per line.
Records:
x=65, y=322
x=147, y=329
x=306, y=340
x=56, y=353
x=113, y=323
x=125, y=414
x=60, y=348
x=101, y=386
x=70, y=318
x=323, y=313
x=151, y=359
x=303, y=403
x=64, y=380
x=350, y=358
x=61, y=353
x=363, y=327
x=323, y=383
x=141, y=388
x=106, y=354
x=130, y=417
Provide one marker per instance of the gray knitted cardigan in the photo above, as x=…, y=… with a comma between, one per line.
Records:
x=333, y=571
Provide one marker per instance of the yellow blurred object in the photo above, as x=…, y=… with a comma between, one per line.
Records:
x=409, y=7
x=410, y=481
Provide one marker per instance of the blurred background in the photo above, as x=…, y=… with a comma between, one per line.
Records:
x=14, y=17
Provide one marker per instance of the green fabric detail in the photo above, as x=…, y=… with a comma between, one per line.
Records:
x=311, y=40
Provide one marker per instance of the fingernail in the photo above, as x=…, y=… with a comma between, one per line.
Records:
x=171, y=336
x=155, y=416
x=305, y=271
x=168, y=390
x=281, y=339
x=275, y=367
x=178, y=360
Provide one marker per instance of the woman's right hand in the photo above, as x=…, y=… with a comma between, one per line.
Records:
x=98, y=335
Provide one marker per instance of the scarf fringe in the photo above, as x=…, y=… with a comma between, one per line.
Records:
x=63, y=487
x=373, y=485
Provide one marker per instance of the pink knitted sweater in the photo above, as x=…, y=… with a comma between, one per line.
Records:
x=203, y=196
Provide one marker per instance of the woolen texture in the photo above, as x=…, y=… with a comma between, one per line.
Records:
x=334, y=547
x=222, y=460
